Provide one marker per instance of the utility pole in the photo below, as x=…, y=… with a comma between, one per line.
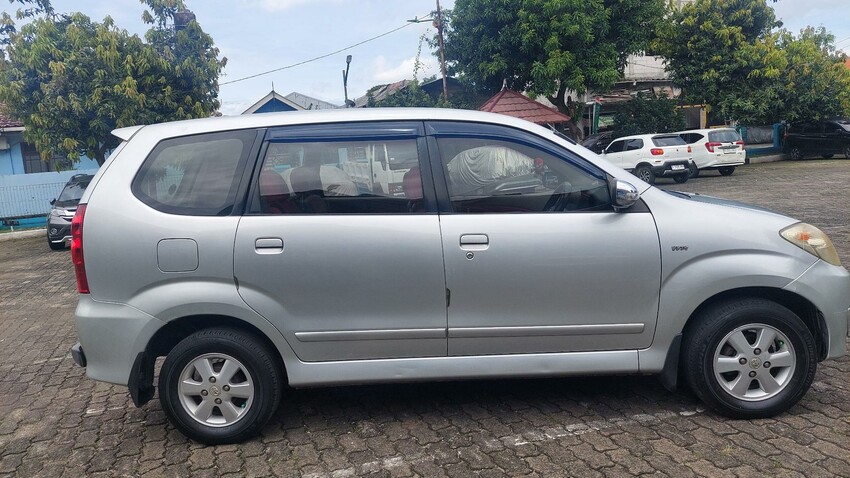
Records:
x=437, y=19
x=348, y=103
x=438, y=22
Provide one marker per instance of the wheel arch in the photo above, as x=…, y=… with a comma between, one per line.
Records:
x=802, y=307
x=167, y=337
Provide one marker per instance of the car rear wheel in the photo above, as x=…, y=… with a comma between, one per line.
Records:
x=645, y=174
x=749, y=358
x=827, y=156
x=693, y=170
x=795, y=154
x=220, y=385
x=726, y=171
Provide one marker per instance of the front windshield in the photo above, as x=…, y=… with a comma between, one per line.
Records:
x=71, y=195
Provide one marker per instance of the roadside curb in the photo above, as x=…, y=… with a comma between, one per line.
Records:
x=768, y=158
x=11, y=236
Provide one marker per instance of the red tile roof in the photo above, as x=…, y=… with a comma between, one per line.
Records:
x=7, y=121
x=511, y=103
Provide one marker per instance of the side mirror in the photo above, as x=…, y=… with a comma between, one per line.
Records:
x=625, y=195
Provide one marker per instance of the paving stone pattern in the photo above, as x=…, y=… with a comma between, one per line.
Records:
x=54, y=422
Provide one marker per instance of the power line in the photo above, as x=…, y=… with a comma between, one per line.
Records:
x=316, y=58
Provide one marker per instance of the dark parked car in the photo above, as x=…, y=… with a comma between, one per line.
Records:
x=597, y=142
x=824, y=138
x=63, y=210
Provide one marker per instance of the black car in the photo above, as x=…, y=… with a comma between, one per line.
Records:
x=64, y=207
x=823, y=138
x=598, y=141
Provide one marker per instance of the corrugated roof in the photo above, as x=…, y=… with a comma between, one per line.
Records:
x=511, y=103
x=7, y=121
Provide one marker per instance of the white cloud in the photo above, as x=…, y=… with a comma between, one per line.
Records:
x=386, y=73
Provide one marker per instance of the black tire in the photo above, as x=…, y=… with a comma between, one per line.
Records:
x=55, y=246
x=795, y=153
x=847, y=151
x=726, y=170
x=703, y=340
x=827, y=156
x=682, y=178
x=258, y=360
x=645, y=174
x=693, y=170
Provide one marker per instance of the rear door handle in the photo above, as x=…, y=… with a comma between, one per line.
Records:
x=474, y=242
x=268, y=245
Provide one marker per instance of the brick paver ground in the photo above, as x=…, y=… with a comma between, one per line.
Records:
x=54, y=422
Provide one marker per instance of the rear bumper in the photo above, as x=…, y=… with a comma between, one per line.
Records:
x=112, y=336
x=671, y=168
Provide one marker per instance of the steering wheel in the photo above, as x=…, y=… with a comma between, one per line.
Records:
x=558, y=200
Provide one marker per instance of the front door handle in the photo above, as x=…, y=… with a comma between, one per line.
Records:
x=268, y=245
x=474, y=242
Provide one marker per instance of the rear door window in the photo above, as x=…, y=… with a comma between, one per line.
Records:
x=195, y=175
x=341, y=177
x=634, y=144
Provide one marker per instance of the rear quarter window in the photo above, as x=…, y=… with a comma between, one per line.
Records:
x=671, y=140
x=724, y=136
x=194, y=175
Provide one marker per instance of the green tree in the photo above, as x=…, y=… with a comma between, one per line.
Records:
x=815, y=84
x=724, y=53
x=648, y=114
x=72, y=80
x=547, y=47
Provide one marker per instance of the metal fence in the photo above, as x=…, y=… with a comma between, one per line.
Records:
x=28, y=200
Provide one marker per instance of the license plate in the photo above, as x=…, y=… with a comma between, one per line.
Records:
x=677, y=167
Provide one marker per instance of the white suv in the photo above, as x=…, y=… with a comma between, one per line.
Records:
x=717, y=148
x=649, y=156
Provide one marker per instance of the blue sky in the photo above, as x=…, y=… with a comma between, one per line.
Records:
x=260, y=35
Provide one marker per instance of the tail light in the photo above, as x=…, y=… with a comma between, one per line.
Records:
x=656, y=151
x=711, y=145
x=743, y=146
x=77, y=249
x=689, y=149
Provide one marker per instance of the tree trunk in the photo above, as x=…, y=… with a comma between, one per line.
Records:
x=560, y=102
x=100, y=155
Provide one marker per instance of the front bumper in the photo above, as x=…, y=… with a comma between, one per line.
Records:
x=58, y=229
x=828, y=288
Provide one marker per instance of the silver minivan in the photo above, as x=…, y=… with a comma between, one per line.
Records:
x=273, y=250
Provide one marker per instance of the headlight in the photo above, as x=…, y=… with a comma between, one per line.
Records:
x=813, y=240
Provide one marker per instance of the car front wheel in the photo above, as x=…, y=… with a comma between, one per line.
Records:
x=220, y=385
x=749, y=358
x=847, y=151
x=726, y=171
x=682, y=178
